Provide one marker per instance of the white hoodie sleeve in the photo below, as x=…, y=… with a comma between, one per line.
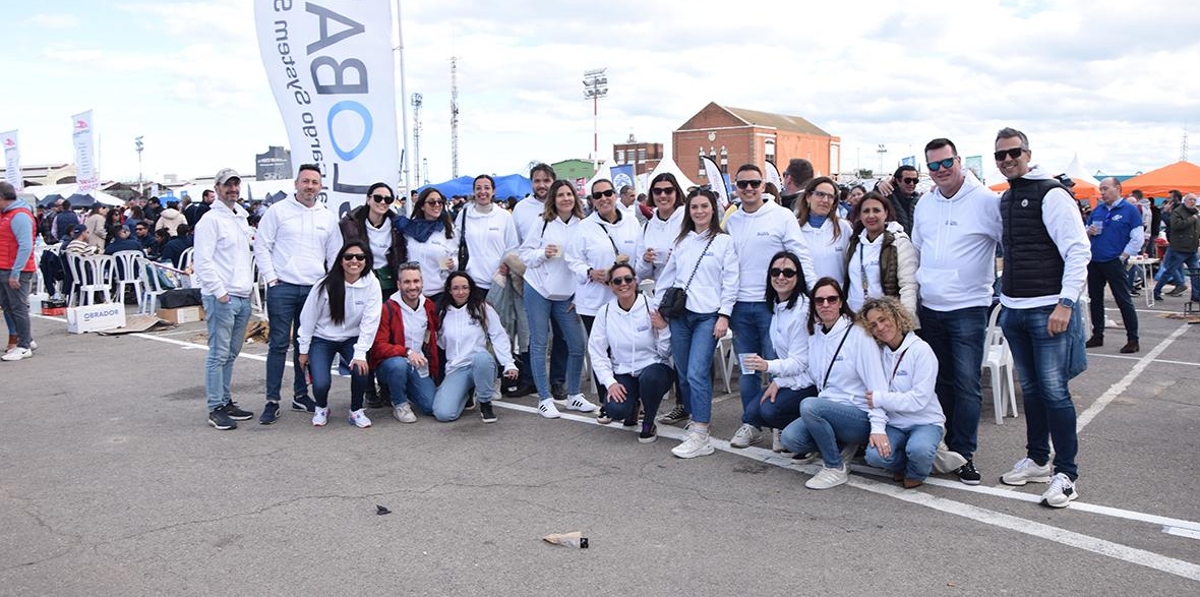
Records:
x=869, y=363
x=793, y=240
x=1060, y=214
x=577, y=254
x=922, y=366
x=314, y=309
x=598, y=351
x=640, y=267
x=368, y=325
x=729, y=276
x=264, y=243
x=533, y=252
x=500, y=343
x=204, y=250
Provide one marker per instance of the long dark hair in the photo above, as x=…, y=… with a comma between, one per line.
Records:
x=334, y=283
x=772, y=295
x=418, y=212
x=668, y=177
x=803, y=209
x=845, y=309
x=476, y=307
x=714, y=225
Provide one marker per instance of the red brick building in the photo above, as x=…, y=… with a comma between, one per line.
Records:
x=644, y=156
x=736, y=136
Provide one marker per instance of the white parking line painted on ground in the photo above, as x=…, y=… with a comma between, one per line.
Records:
x=1118, y=388
x=1178, y=532
x=1129, y=358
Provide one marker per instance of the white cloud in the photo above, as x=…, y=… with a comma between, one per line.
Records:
x=54, y=21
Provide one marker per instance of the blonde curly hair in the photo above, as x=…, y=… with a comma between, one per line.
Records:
x=892, y=309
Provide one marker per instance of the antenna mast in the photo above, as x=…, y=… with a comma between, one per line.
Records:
x=454, y=117
x=417, y=98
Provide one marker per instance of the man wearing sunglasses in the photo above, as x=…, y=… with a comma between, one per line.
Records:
x=904, y=195
x=1046, y=253
x=956, y=227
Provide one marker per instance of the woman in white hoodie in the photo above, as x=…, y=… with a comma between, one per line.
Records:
x=430, y=240
x=473, y=339
x=880, y=260
x=905, y=443
x=844, y=362
x=340, y=317
x=487, y=233
x=549, y=289
x=170, y=219
x=825, y=233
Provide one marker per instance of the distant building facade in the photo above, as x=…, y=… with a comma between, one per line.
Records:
x=644, y=156
x=275, y=164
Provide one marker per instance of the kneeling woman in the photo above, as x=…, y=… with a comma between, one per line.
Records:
x=340, y=317
x=915, y=423
x=637, y=369
x=844, y=361
x=469, y=327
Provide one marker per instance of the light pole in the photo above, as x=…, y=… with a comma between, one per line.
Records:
x=595, y=86
x=882, y=150
x=137, y=143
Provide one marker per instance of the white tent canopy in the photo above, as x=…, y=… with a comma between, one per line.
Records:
x=669, y=165
x=68, y=190
x=1076, y=171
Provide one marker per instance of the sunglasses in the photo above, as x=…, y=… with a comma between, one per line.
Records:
x=599, y=194
x=663, y=190
x=823, y=195
x=1013, y=153
x=938, y=165
x=749, y=184
x=910, y=180
x=788, y=273
x=435, y=202
x=354, y=257
x=826, y=300
x=622, y=280
x=382, y=198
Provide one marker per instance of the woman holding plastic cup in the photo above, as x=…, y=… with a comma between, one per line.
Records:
x=703, y=263
x=430, y=239
x=791, y=381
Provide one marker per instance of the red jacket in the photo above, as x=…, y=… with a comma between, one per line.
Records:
x=389, y=339
x=8, y=241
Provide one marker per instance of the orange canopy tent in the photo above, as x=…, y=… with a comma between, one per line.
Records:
x=1183, y=176
x=1083, y=190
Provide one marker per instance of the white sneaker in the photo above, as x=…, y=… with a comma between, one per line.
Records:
x=547, y=409
x=579, y=403
x=848, y=452
x=696, y=444
x=746, y=434
x=359, y=419
x=320, y=417
x=17, y=353
x=1026, y=470
x=33, y=345
x=829, y=477
x=777, y=441
x=404, y=413
x=1060, y=493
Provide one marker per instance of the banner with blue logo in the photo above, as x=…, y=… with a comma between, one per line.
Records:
x=909, y=161
x=331, y=69
x=622, y=175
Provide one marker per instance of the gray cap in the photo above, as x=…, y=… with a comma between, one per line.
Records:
x=225, y=174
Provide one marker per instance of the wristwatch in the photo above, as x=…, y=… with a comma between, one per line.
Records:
x=1066, y=302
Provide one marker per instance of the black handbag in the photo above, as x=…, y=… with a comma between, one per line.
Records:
x=463, y=253
x=674, y=300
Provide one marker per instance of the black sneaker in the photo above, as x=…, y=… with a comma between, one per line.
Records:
x=236, y=413
x=304, y=404
x=470, y=405
x=521, y=389
x=218, y=418
x=558, y=391
x=269, y=414
x=373, y=399
x=486, y=413
x=967, y=473
x=603, y=417
x=649, y=433
x=676, y=415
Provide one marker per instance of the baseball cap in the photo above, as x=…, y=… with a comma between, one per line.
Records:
x=225, y=174
x=77, y=229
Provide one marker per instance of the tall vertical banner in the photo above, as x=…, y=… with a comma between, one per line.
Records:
x=85, y=152
x=12, y=160
x=330, y=66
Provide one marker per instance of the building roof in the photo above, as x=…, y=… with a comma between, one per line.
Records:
x=778, y=121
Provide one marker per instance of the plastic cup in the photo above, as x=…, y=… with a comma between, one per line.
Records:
x=742, y=361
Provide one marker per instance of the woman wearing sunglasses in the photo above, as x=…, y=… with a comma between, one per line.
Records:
x=430, y=239
x=340, y=317
x=704, y=263
x=791, y=381
x=629, y=355
x=824, y=231
x=844, y=362
x=473, y=339
x=549, y=289
x=905, y=442
x=880, y=260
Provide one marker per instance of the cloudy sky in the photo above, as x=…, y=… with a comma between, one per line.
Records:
x=1112, y=80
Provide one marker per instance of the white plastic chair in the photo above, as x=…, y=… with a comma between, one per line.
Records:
x=89, y=275
x=725, y=359
x=153, y=284
x=128, y=266
x=998, y=360
x=185, y=263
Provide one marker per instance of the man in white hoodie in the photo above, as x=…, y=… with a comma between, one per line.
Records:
x=956, y=227
x=1046, y=252
x=296, y=241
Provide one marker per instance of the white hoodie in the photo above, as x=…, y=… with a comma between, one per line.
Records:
x=715, y=287
x=856, y=368
x=595, y=245
x=489, y=236
x=757, y=237
x=296, y=244
x=628, y=335
x=828, y=254
x=909, y=399
x=660, y=235
x=789, y=336
x=551, y=278
x=527, y=217
x=221, y=256
x=865, y=263
x=362, y=309
x=956, y=240
x=463, y=338
x=430, y=255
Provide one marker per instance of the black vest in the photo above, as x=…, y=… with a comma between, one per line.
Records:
x=1032, y=265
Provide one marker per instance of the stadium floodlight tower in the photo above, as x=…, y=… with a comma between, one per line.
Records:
x=595, y=86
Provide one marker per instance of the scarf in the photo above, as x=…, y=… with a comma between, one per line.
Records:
x=419, y=230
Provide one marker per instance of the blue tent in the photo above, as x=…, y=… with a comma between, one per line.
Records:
x=513, y=185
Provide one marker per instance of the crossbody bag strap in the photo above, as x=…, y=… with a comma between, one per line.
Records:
x=835, y=356
x=698, y=260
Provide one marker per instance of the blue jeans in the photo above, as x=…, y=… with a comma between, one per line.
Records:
x=786, y=407
x=284, y=302
x=751, y=325
x=957, y=338
x=692, y=347
x=1171, y=267
x=1110, y=273
x=406, y=384
x=320, y=360
x=648, y=387
x=822, y=426
x=226, y=333
x=540, y=310
x=912, y=450
x=451, y=396
x=1041, y=361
